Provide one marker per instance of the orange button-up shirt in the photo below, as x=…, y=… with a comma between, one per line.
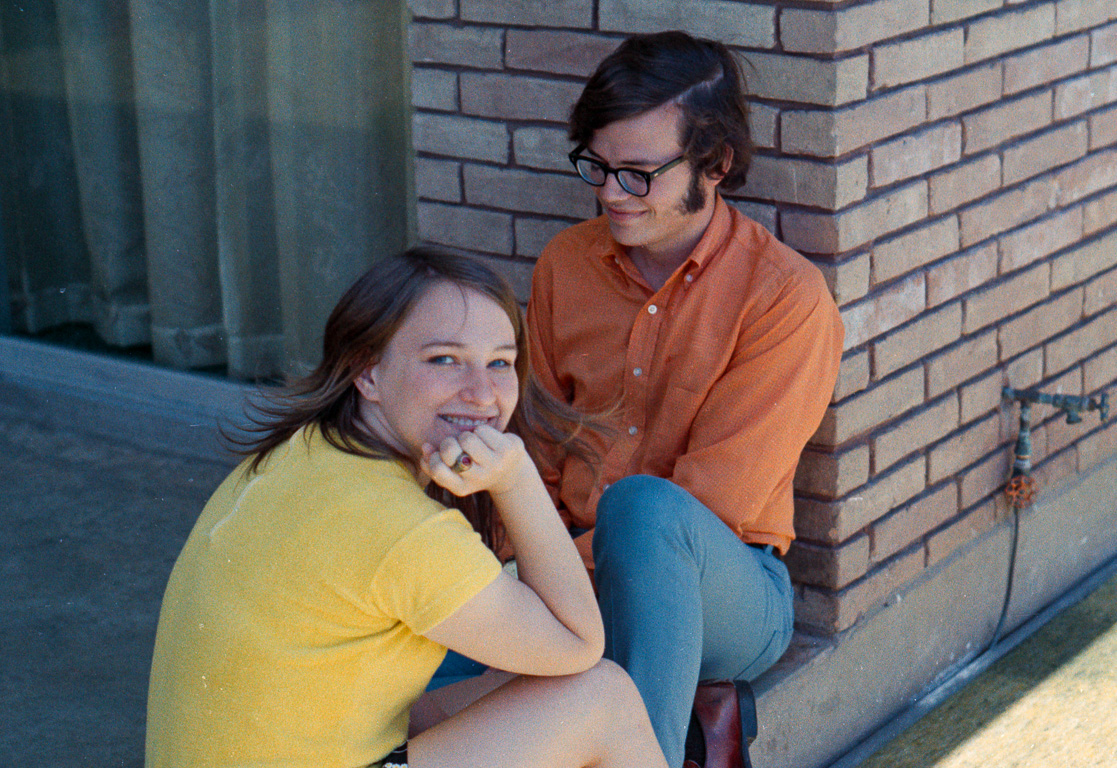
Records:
x=715, y=381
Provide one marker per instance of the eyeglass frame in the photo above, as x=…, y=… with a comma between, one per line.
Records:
x=576, y=155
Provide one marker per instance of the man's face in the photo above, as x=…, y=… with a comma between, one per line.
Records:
x=670, y=219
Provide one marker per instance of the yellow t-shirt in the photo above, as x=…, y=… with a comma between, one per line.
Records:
x=291, y=628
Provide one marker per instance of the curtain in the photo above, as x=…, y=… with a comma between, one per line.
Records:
x=201, y=176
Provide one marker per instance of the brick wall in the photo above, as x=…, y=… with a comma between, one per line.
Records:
x=950, y=165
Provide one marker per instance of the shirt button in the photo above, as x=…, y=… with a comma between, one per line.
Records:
x=632, y=430
x=637, y=371
x=652, y=309
x=689, y=278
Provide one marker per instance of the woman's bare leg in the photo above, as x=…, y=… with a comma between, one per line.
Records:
x=595, y=718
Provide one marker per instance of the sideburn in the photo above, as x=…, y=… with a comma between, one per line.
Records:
x=695, y=198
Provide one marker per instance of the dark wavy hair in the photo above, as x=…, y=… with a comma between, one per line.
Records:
x=701, y=76
x=357, y=332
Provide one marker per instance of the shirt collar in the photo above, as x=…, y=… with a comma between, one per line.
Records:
x=713, y=240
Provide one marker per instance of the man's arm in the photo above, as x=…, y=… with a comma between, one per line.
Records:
x=745, y=442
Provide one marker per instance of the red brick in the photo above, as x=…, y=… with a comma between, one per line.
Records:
x=517, y=273
x=884, y=310
x=543, y=148
x=918, y=58
x=961, y=362
x=928, y=333
x=833, y=522
x=1083, y=262
x=870, y=408
x=432, y=9
x=964, y=183
x=560, y=13
x=1103, y=46
x=1083, y=94
x=833, y=31
x=980, y=397
x=527, y=192
x=1007, y=120
x=803, y=80
x=1055, y=469
x=467, y=228
x=1075, y=15
x=916, y=153
x=460, y=137
x=832, y=475
x=834, y=233
x=1100, y=213
x=463, y=46
x=1103, y=128
x=969, y=446
x=962, y=93
x=1007, y=297
x=1037, y=325
x=1046, y=64
x=943, y=11
x=517, y=97
x=830, y=613
x=744, y=24
x=915, y=432
x=832, y=567
x=1093, y=174
x=1100, y=373
x=908, y=524
x=1039, y=240
x=1101, y=293
x=1025, y=371
x=1097, y=447
x=923, y=245
x=434, y=89
x=961, y=532
x=556, y=51
x=1004, y=32
x=438, y=180
x=807, y=182
x=831, y=133
x=1007, y=210
x=987, y=478
x=1066, y=351
x=763, y=125
x=847, y=279
x=533, y=234
x=1048, y=150
x=853, y=376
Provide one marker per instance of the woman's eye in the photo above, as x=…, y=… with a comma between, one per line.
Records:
x=502, y=364
x=441, y=360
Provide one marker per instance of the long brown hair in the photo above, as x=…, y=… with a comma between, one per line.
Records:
x=357, y=332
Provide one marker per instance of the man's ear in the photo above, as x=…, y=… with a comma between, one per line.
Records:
x=717, y=174
x=366, y=384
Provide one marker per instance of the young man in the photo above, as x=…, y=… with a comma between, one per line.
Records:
x=711, y=348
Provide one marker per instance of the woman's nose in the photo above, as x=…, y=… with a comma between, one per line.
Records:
x=478, y=388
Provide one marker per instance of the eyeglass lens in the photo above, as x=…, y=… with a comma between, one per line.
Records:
x=594, y=173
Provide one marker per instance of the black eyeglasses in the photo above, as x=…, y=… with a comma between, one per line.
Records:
x=633, y=181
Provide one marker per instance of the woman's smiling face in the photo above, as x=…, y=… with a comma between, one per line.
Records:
x=449, y=368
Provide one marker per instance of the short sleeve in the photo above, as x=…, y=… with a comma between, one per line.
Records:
x=432, y=571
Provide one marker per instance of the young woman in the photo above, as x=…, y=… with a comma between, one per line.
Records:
x=321, y=586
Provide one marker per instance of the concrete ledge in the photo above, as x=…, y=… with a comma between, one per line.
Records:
x=144, y=404
x=825, y=696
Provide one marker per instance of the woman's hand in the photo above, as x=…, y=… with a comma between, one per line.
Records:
x=487, y=460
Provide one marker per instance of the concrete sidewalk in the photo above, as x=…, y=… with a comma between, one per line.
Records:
x=98, y=497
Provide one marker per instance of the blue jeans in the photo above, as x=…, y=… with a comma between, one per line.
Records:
x=683, y=599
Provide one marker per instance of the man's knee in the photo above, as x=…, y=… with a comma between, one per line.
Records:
x=639, y=514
